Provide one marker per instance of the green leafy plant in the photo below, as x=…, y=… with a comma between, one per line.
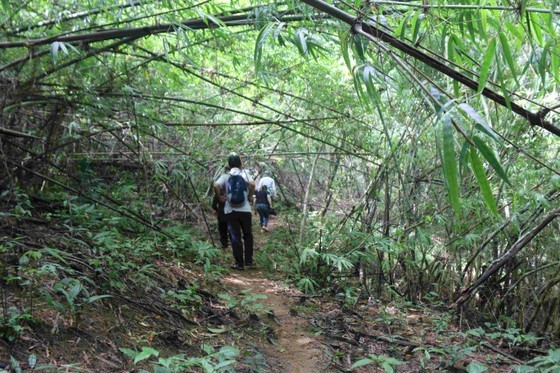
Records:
x=75, y=296
x=386, y=362
x=138, y=356
x=215, y=361
x=549, y=363
x=245, y=301
x=13, y=322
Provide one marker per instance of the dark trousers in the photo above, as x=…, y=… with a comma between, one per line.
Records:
x=240, y=222
x=223, y=229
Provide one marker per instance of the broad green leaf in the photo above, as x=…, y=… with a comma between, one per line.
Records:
x=480, y=122
x=450, y=164
x=506, y=50
x=222, y=364
x=146, y=353
x=475, y=367
x=488, y=154
x=229, y=351
x=486, y=65
x=480, y=174
x=361, y=363
x=76, y=289
x=128, y=352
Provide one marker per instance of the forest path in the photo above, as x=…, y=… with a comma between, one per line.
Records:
x=295, y=348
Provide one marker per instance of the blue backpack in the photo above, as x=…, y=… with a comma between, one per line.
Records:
x=236, y=187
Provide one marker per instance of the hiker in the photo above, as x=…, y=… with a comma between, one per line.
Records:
x=238, y=186
x=263, y=205
x=218, y=207
x=268, y=181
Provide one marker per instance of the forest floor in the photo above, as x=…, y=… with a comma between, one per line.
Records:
x=294, y=348
x=185, y=317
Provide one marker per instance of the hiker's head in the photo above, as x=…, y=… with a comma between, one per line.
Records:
x=264, y=188
x=234, y=161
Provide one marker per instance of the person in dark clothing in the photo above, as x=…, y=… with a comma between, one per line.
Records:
x=263, y=204
x=222, y=222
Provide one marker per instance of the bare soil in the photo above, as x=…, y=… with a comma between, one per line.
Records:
x=295, y=347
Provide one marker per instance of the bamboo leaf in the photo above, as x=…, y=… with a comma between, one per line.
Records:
x=515, y=31
x=345, y=48
x=483, y=183
x=486, y=64
x=400, y=31
x=450, y=164
x=536, y=29
x=259, y=45
x=503, y=86
x=542, y=65
x=301, y=42
x=488, y=154
x=555, y=65
x=54, y=51
x=415, y=24
x=481, y=124
x=206, y=17
x=506, y=50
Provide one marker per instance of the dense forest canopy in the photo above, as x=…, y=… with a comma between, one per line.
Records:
x=415, y=141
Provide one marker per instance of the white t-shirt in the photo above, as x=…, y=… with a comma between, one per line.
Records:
x=270, y=185
x=222, y=180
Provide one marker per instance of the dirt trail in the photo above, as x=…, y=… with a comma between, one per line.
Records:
x=296, y=349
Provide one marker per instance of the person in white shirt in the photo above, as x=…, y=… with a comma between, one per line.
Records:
x=267, y=181
x=237, y=210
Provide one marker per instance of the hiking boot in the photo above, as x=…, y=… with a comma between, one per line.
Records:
x=264, y=229
x=237, y=266
x=250, y=265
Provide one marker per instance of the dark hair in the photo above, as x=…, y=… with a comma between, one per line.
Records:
x=234, y=161
x=264, y=188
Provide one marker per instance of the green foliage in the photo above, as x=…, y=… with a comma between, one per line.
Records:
x=548, y=363
x=386, y=362
x=138, y=356
x=222, y=360
x=13, y=322
x=246, y=301
x=74, y=296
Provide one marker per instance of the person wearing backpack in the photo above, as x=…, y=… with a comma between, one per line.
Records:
x=238, y=186
x=263, y=204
